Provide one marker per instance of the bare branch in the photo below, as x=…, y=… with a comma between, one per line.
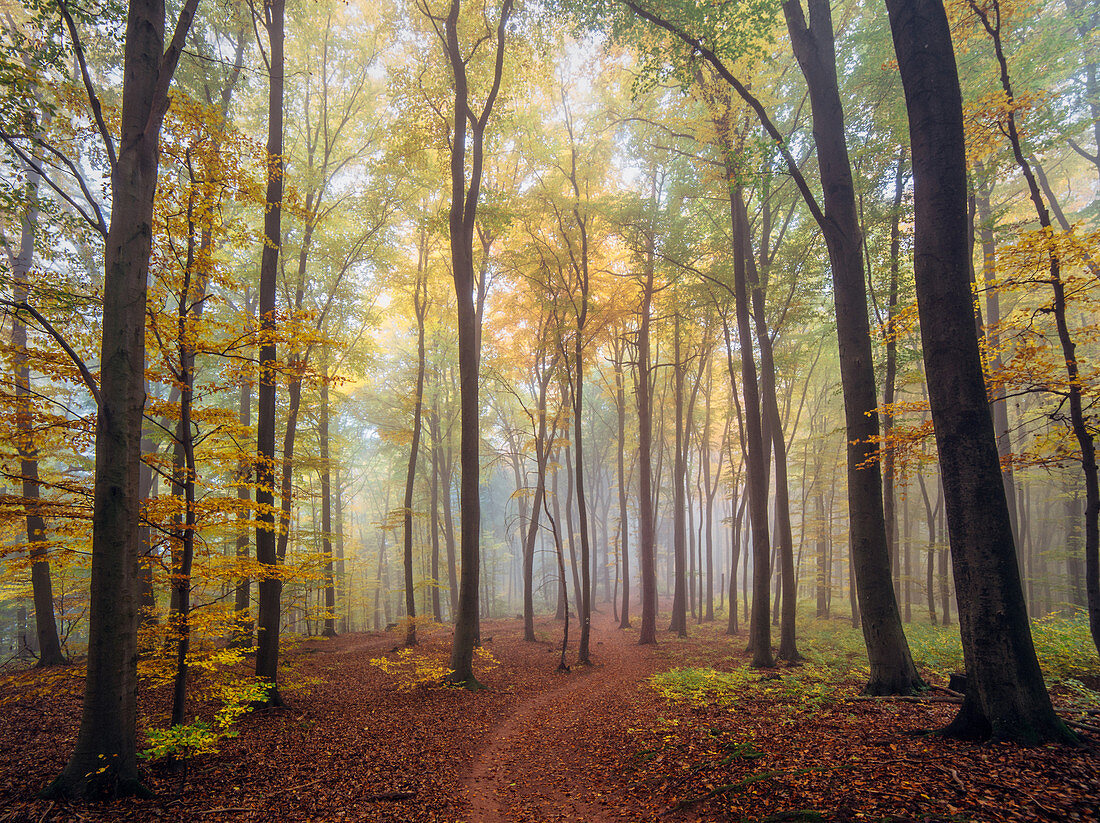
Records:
x=85, y=76
x=95, y=220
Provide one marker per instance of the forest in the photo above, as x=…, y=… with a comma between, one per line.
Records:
x=583, y=410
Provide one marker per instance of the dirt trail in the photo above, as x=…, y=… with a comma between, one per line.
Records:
x=536, y=766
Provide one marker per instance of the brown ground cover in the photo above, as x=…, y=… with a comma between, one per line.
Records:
x=594, y=744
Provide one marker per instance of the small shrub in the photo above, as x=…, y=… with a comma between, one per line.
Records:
x=185, y=741
x=412, y=668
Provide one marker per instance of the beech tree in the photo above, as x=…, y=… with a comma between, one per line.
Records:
x=1006, y=697
x=104, y=761
x=268, y=621
x=469, y=118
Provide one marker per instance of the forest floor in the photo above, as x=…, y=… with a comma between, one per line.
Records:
x=682, y=731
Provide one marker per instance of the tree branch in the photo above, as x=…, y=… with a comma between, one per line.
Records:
x=85, y=373
x=746, y=95
x=85, y=76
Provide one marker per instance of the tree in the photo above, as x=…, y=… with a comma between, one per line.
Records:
x=1005, y=698
x=49, y=644
x=104, y=761
x=469, y=290
x=270, y=585
x=420, y=309
x=990, y=17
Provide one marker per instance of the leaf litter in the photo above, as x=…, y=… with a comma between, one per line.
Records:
x=683, y=731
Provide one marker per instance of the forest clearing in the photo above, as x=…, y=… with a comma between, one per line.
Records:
x=643, y=734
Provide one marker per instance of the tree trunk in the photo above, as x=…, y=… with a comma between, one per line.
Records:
x=646, y=537
x=1005, y=697
x=889, y=495
x=679, y=481
x=624, y=524
x=931, y=515
x=326, y=501
x=420, y=307
x=585, y=590
x=433, y=429
x=342, y=594
x=544, y=372
x=822, y=561
x=998, y=405
x=104, y=761
x=788, y=648
x=270, y=585
x=461, y=219
x=892, y=669
x=759, y=625
x=242, y=597
x=49, y=644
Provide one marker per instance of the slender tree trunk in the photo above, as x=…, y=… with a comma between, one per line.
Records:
x=646, y=534
x=822, y=561
x=147, y=491
x=931, y=515
x=326, y=501
x=270, y=585
x=892, y=669
x=998, y=405
x=433, y=428
x=788, y=648
x=679, y=480
x=49, y=644
x=585, y=593
x=183, y=488
x=242, y=598
x=542, y=449
x=342, y=593
x=624, y=523
x=191, y=299
x=446, y=463
x=420, y=307
x=462, y=217
x=759, y=625
x=710, y=490
x=889, y=495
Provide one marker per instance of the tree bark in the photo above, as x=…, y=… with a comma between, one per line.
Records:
x=1006, y=697
x=646, y=537
x=889, y=495
x=892, y=669
x=420, y=307
x=270, y=584
x=49, y=644
x=679, y=481
x=461, y=218
x=242, y=598
x=326, y=500
x=773, y=424
x=759, y=625
x=104, y=761
x=624, y=531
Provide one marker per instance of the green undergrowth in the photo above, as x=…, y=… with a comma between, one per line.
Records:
x=714, y=670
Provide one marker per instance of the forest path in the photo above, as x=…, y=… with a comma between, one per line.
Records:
x=540, y=764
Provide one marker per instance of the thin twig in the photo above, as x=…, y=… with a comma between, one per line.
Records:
x=226, y=809
x=48, y=808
